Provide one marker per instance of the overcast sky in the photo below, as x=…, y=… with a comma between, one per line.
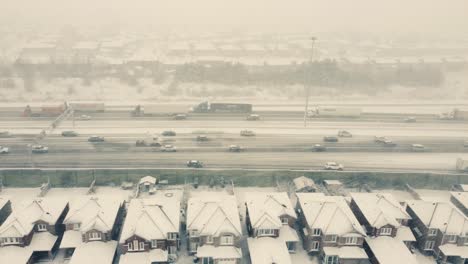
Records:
x=425, y=16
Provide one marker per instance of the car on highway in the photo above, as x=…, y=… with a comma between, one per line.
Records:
x=247, y=133
x=4, y=134
x=418, y=148
x=389, y=143
x=39, y=149
x=194, y=164
x=330, y=139
x=410, y=119
x=95, y=138
x=180, y=117
x=168, y=148
x=144, y=143
x=379, y=139
x=465, y=144
x=4, y=150
x=319, y=148
x=331, y=165
x=169, y=133
x=235, y=148
x=84, y=117
x=253, y=117
x=344, y=133
x=69, y=134
x=202, y=138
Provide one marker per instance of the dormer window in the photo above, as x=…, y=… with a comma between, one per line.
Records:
x=193, y=233
x=316, y=232
x=385, y=231
x=432, y=232
x=227, y=240
x=209, y=239
x=76, y=226
x=41, y=227
x=94, y=236
x=284, y=220
x=451, y=238
x=171, y=236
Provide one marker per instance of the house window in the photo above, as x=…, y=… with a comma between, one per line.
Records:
x=331, y=259
x=207, y=261
x=193, y=233
x=429, y=245
x=142, y=246
x=209, y=239
x=432, y=232
x=10, y=240
x=350, y=240
x=154, y=243
x=451, y=238
x=172, y=236
x=316, y=232
x=41, y=227
x=330, y=238
x=227, y=240
x=385, y=231
x=76, y=226
x=266, y=232
x=171, y=250
x=284, y=220
x=315, y=246
x=130, y=246
x=94, y=236
x=291, y=246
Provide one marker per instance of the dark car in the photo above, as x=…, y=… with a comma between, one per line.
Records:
x=330, y=139
x=180, y=117
x=194, y=164
x=96, y=139
x=169, y=133
x=202, y=138
x=253, y=117
x=69, y=134
x=235, y=148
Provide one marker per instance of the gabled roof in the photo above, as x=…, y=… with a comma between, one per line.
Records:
x=331, y=214
x=213, y=214
x=22, y=220
x=461, y=197
x=441, y=215
x=380, y=209
x=267, y=250
x=152, y=218
x=148, y=179
x=268, y=207
x=93, y=213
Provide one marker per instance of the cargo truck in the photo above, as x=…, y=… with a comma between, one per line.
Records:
x=88, y=107
x=462, y=165
x=44, y=111
x=160, y=110
x=335, y=112
x=207, y=107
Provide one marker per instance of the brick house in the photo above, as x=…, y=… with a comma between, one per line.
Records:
x=460, y=200
x=152, y=228
x=441, y=230
x=37, y=225
x=91, y=219
x=382, y=215
x=213, y=228
x=271, y=215
x=5, y=209
x=330, y=229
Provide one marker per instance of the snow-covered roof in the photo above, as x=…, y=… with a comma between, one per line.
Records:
x=22, y=220
x=153, y=218
x=331, y=214
x=388, y=250
x=15, y=255
x=152, y=256
x=454, y=250
x=349, y=252
x=441, y=215
x=267, y=250
x=380, y=209
x=93, y=213
x=3, y=201
x=288, y=234
x=213, y=213
x=221, y=252
x=42, y=241
x=461, y=197
x=303, y=182
x=265, y=209
x=148, y=179
x=94, y=252
x=71, y=239
x=404, y=234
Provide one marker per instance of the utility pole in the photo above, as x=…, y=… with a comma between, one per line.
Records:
x=307, y=80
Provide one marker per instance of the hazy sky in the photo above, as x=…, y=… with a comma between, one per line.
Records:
x=318, y=15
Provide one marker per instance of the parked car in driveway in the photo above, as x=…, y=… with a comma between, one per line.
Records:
x=39, y=149
x=330, y=139
x=194, y=164
x=4, y=150
x=96, y=139
x=69, y=134
x=331, y=165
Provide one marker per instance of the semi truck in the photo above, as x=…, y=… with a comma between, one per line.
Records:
x=160, y=109
x=88, y=107
x=462, y=165
x=44, y=111
x=207, y=107
x=335, y=112
x=455, y=114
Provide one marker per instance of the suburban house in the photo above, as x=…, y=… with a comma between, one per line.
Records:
x=382, y=215
x=37, y=225
x=330, y=229
x=387, y=250
x=304, y=184
x=213, y=228
x=441, y=230
x=271, y=215
x=5, y=209
x=92, y=220
x=460, y=200
x=151, y=232
x=267, y=250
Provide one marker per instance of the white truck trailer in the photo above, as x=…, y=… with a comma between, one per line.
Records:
x=335, y=112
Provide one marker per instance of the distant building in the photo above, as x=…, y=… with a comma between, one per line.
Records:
x=304, y=184
x=441, y=230
x=330, y=229
x=213, y=228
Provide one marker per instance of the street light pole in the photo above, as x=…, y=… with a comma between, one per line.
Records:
x=307, y=85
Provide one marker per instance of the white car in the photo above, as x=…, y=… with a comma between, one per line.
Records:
x=4, y=150
x=168, y=148
x=39, y=149
x=84, y=117
x=331, y=165
x=344, y=133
